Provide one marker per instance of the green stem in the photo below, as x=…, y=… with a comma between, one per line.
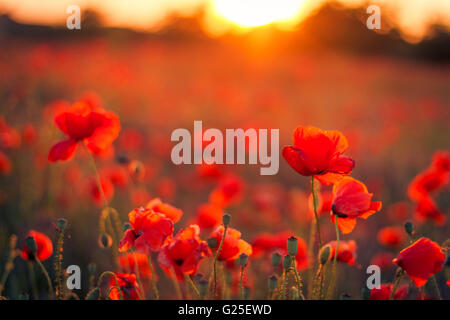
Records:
x=398, y=278
x=193, y=286
x=138, y=275
x=97, y=176
x=284, y=288
x=49, y=281
x=58, y=266
x=313, y=190
x=34, y=290
x=155, y=287
x=176, y=285
x=436, y=288
x=112, y=274
x=298, y=281
x=215, y=259
x=241, y=283
x=334, y=268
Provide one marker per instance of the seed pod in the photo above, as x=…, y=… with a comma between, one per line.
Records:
x=409, y=227
x=324, y=254
x=273, y=283
x=31, y=244
x=287, y=262
x=61, y=224
x=226, y=219
x=276, y=260
x=292, y=246
x=212, y=243
x=243, y=260
x=104, y=241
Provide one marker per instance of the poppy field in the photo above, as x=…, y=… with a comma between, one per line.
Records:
x=88, y=188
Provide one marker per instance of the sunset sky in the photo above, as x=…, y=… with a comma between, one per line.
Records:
x=413, y=16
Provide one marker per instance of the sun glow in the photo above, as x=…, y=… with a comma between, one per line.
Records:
x=254, y=13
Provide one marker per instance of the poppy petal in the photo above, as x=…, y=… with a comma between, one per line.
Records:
x=63, y=150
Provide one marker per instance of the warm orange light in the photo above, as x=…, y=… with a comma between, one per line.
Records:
x=254, y=13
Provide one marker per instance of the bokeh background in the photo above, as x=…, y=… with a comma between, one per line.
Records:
x=160, y=65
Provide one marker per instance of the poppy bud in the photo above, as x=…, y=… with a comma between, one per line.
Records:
x=292, y=246
x=203, y=287
x=287, y=261
x=126, y=226
x=243, y=260
x=212, y=243
x=93, y=294
x=123, y=159
x=61, y=224
x=226, y=219
x=409, y=227
x=273, y=283
x=92, y=268
x=276, y=260
x=324, y=254
x=104, y=241
x=31, y=244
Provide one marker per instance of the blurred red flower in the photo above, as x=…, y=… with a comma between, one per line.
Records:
x=266, y=243
x=128, y=287
x=208, y=215
x=184, y=252
x=421, y=260
x=384, y=293
x=93, y=126
x=383, y=260
x=107, y=187
x=5, y=164
x=127, y=262
x=169, y=211
x=391, y=236
x=351, y=200
x=44, y=247
x=233, y=245
x=319, y=153
x=325, y=200
x=9, y=137
x=150, y=230
x=29, y=134
x=426, y=210
x=427, y=182
x=346, y=253
x=229, y=191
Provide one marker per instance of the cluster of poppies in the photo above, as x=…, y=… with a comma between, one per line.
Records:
x=150, y=230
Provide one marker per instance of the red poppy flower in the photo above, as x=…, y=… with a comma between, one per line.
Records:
x=441, y=161
x=427, y=182
x=107, y=187
x=269, y=243
x=233, y=245
x=384, y=293
x=117, y=174
x=9, y=137
x=383, y=260
x=150, y=230
x=29, y=134
x=209, y=216
x=127, y=262
x=184, y=252
x=95, y=127
x=351, y=200
x=169, y=211
x=421, y=260
x=128, y=287
x=391, y=236
x=427, y=210
x=5, y=164
x=346, y=253
x=44, y=247
x=318, y=153
x=229, y=191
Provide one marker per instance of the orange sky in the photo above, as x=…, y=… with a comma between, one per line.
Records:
x=413, y=16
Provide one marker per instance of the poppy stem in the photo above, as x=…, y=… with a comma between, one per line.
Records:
x=155, y=287
x=215, y=259
x=49, y=281
x=193, y=286
x=105, y=273
x=58, y=265
x=313, y=191
x=34, y=290
x=398, y=277
x=436, y=288
x=97, y=176
x=174, y=279
x=334, y=267
x=9, y=266
x=298, y=281
x=284, y=287
x=138, y=276
x=241, y=283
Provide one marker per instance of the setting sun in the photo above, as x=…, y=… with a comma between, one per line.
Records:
x=254, y=13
